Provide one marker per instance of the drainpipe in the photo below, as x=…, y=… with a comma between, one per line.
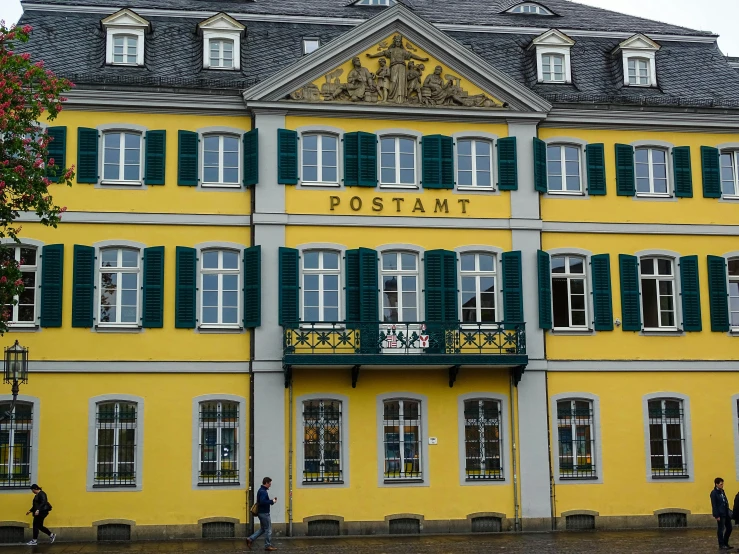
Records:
x=252, y=352
x=516, y=522
x=290, y=464
x=552, y=487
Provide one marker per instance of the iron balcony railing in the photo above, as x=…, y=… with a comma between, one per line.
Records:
x=413, y=338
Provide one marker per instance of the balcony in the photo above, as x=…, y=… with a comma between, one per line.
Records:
x=407, y=345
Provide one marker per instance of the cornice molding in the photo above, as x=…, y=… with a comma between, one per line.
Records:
x=138, y=218
x=153, y=102
x=720, y=121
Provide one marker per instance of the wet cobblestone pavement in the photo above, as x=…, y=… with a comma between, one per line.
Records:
x=634, y=542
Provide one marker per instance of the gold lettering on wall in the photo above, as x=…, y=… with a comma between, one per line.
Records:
x=355, y=204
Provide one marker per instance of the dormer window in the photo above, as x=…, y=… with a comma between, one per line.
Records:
x=639, y=54
x=310, y=45
x=553, y=57
x=124, y=36
x=221, y=42
x=374, y=2
x=530, y=8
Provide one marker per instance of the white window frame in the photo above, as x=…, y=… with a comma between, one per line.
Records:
x=310, y=45
x=35, y=425
x=321, y=182
x=399, y=273
x=734, y=153
x=321, y=272
x=729, y=280
x=569, y=277
x=640, y=64
x=223, y=28
x=136, y=33
x=219, y=61
x=8, y=426
x=397, y=137
x=321, y=417
x=220, y=426
x=649, y=57
x=675, y=285
x=581, y=168
x=597, y=452
x=668, y=170
x=477, y=273
x=473, y=149
x=529, y=8
x=128, y=40
x=13, y=322
x=239, y=159
x=505, y=441
x=121, y=156
x=220, y=271
x=548, y=70
x=686, y=435
x=138, y=270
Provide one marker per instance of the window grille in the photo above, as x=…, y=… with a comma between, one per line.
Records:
x=11, y=534
x=576, y=439
x=487, y=525
x=219, y=429
x=482, y=440
x=405, y=526
x=580, y=522
x=402, y=436
x=323, y=528
x=322, y=441
x=219, y=530
x=115, y=448
x=114, y=532
x=667, y=438
x=15, y=445
x=672, y=520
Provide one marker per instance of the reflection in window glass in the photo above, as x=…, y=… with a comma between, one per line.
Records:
x=220, y=273
x=220, y=159
x=399, y=287
x=563, y=168
x=321, y=280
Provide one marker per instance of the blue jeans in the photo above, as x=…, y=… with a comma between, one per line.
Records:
x=724, y=531
x=265, y=528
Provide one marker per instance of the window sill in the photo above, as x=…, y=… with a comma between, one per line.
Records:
x=117, y=486
x=402, y=481
x=472, y=188
x=220, y=329
x=122, y=183
x=221, y=484
x=220, y=185
x=322, y=326
x=122, y=64
x=572, y=331
x=568, y=478
x=118, y=328
x=321, y=483
x=730, y=197
x=216, y=68
x=652, y=195
x=318, y=184
x=485, y=480
x=543, y=82
x=480, y=326
x=23, y=327
x=734, y=332
x=662, y=332
x=565, y=193
x=667, y=477
x=398, y=186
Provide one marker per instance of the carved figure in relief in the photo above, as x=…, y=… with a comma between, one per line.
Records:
x=437, y=91
x=398, y=56
x=415, y=72
x=360, y=84
x=383, y=80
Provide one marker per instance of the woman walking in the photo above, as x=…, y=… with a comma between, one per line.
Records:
x=40, y=510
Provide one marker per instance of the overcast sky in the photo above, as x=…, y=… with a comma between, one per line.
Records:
x=718, y=16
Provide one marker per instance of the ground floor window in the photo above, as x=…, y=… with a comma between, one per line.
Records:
x=15, y=445
x=322, y=441
x=667, y=438
x=402, y=438
x=219, y=452
x=482, y=440
x=576, y=439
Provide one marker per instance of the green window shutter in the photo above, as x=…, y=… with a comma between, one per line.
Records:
x=690, y=291
x=600, y=267
x=512, y=287
x=545, y=289
x=83, y=286
x=369, y=310
x=440, y=274
x=253, y=286
x=711, y=164
x=507, y=164
x=625, y=181
x=52, y=285
x=57, y=150
x=156, y=157
x=351, y=261
x=287, y=157
x=540, y=169
x=87, y=155
x=367, y=149
x=351, y=159
x=630, y=309
x=683, y=172
x=250, y=142
x=188, y=144
x=186, y=288
x=289, y=305
x=718, y=294
x=596, y=159
x=153, y=308
x=437, y=162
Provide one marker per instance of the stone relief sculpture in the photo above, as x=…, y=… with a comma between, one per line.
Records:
x=402, y=82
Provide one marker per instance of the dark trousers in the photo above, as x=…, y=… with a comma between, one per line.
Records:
x=724, y=530
x=38, y=525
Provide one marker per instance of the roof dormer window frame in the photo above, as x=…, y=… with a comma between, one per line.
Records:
x=530, y=8
x=125, y=23
x=553, y=43
x=639, y=47
x=221, y=27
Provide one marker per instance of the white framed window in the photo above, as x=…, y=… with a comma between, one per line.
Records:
x=124, y=38
x=651, y=167
x=400, y=287
x=322, y=441
x=221, y=52
x=639, y=61
x=220, y=275
x=23, y=312
x=119, y=286
x=218, y=460
x=116, y=430
x=530, y=8
x=122, y=157
x=398, y=161
x=553, y=54
x=733, y=271
x=16, y=445
x=730, y=173
x=478, y=287
x=569, y=292
x=564, y=168
x=402, y=439
x=553, y=68
x=474, y=163
x=576, y=439
x=639, y=69
x=483, y=440
x=125, y=49
x=320, y=159
x=657, y=276
x=667, y=438
x=321, y=286
x=310, y=45
x=221, y=155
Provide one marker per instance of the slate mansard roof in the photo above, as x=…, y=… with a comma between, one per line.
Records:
x=691, y=72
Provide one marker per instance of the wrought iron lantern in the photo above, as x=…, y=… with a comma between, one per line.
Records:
x=16, y=365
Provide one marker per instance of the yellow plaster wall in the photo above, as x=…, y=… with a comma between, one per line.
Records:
x=625, y=490
x=168, y=343
x=168, y=198
x=167, y=496
x=624, y=209
x=629, y=345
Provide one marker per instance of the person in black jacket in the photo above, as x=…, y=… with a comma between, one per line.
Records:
x=720, y=510
x=265, y=523
x=40, y=510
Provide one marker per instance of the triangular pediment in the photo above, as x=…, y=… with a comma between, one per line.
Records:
x=125, y=18
x=397, y=58
x=639, y=42
x=553, y=37
x=221, y=22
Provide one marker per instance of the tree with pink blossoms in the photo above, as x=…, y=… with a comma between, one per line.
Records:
x=28, y=94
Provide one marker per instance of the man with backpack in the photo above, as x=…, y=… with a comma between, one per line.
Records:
x=40, y=510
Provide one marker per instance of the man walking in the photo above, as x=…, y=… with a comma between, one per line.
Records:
x=265, y=523
x=40, y=510
x=720, y=507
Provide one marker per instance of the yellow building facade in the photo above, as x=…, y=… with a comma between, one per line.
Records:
x=423, y=290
